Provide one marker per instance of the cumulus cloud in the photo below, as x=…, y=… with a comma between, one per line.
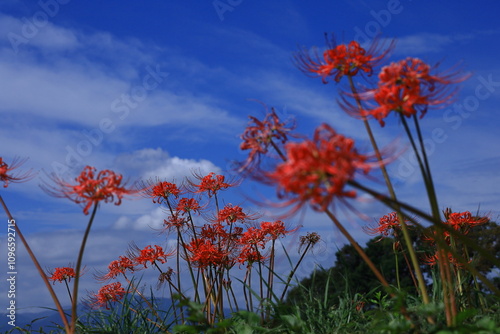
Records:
x=156, y=163
x=147, y=222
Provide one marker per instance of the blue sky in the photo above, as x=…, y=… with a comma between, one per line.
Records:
x=162, y=88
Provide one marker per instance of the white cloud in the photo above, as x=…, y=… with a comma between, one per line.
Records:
x=156, y=163
x=44, y=35
x=147, y=222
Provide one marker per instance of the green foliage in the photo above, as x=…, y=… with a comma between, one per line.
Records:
x=351, y=274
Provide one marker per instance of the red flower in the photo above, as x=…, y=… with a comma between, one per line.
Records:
x=387, y=225
x=188, y=204
x=161, y=191
x=109, y=293
x=253, y=236
x=151, y=255
x=174, y=221
x=6, y=175
x=318, y=170
x=212, y=183
x=62, y=274
x=205, y=254
x=231, y=214
x=463, y=221
x=92, y=188
x=409, y=87
x=432, y=260
x=259, y=135
x=249, y=255
x=340, y=60
x=118, y=267
x=273, y=230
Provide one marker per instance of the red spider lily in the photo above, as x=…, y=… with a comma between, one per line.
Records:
x=62, y=274
x=7, y=176
x=274, y=230
x=160, y=191
x=92, y=188
x=112, y=292
x=232, y=214
x=463, y=221
x=213, y=232
x=187, y=205
x=249, y=255
x=317, y=171
x=204, y=254
x=119, y=267
x=253, y=236
x=409, y=87
x=152, y=255
x=251, y=240
x=174, y=221
x=432, y=260
x=259, y=135
x=211, y=184
x=387, y=225
x=340, y=60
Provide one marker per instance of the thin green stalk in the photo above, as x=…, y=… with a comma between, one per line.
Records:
x=404, y=228
x=69, y=291
x=397, y=265
x=190, y=268
x=290, y=276
x=39, y=268
x=426, y=173
x=261, y=287
x=431, y=193
x=270, y=276
x=74, y=304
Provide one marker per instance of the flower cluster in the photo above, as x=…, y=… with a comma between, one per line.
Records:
x=91, y=187
x=340, y=60
x=112, y=292
x=160, y=191
x=211, y=184
x=62, y=274
x=7, y=176
x=119, y=267
x=461, y=222
x=318, y=170
x=259, y=135
x=408, y=87
x=152, y=255
x=388, y=225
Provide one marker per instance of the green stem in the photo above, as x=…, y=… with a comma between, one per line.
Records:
x=290, y=276
x=74, y=304
x=39, y=268
x=397, y=265
x=404, y=228
x=360, y=250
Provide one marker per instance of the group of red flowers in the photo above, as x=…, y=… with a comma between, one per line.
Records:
x=312, y=171
x=230, y=237
x=461, y=222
